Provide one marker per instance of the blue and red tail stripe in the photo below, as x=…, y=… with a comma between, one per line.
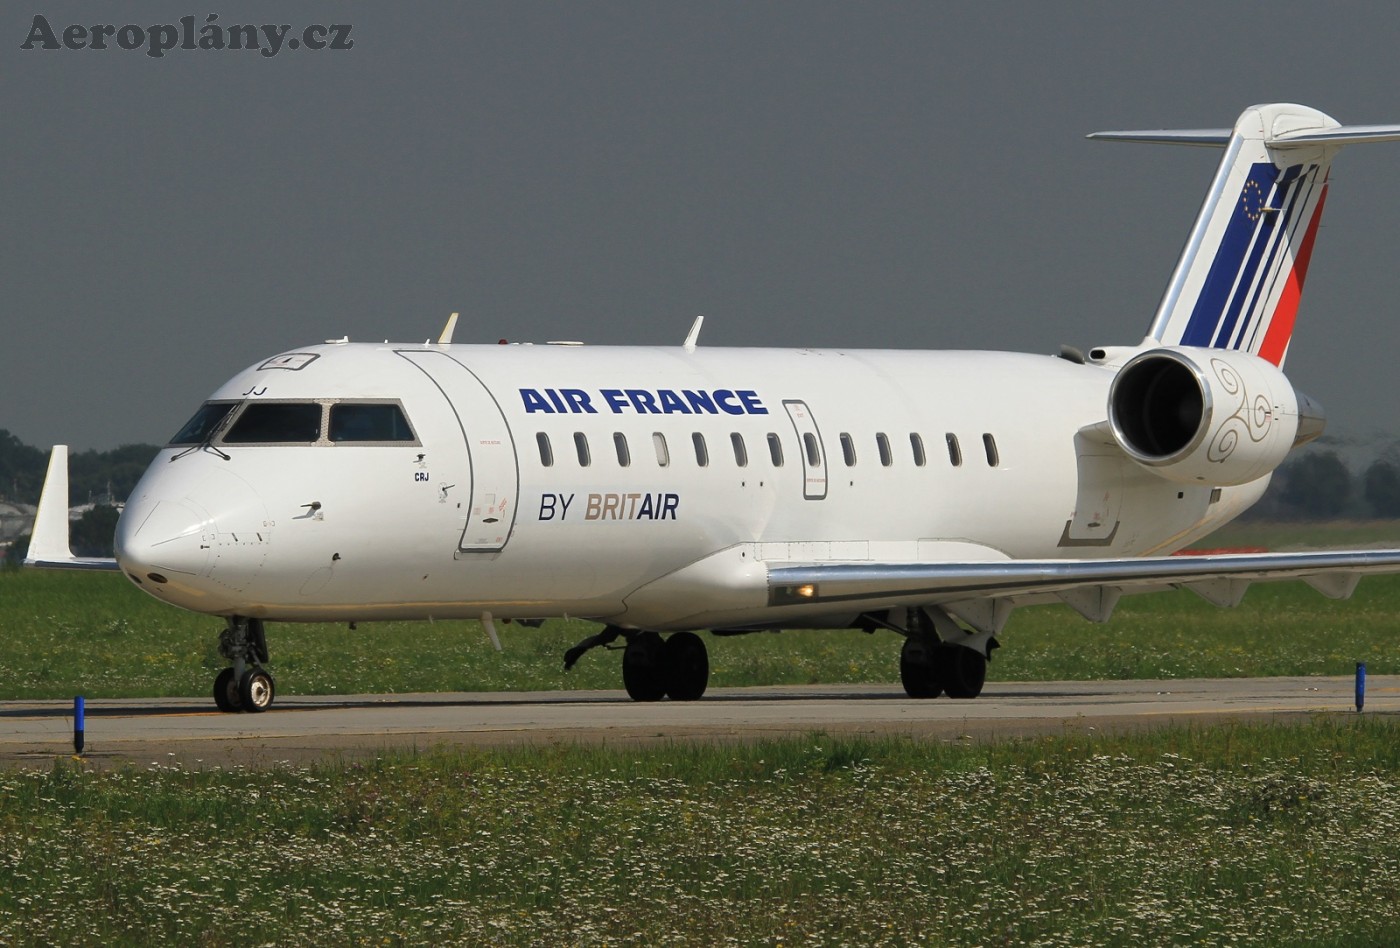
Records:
x=1280, y=331
x=1241, y=281
x=1284, y=224
x=1276, y=220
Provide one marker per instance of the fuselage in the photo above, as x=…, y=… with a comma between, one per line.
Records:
x=640, y=486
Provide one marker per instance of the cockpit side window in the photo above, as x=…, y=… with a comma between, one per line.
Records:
x=361, y=421
x=204, y=423
x=276, y=423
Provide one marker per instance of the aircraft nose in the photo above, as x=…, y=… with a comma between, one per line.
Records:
x=194, y=538
x=160, y=539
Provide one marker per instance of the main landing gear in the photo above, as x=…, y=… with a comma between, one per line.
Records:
x=928, y=668
x=246, y=685
x=653, y=668
x=939, y=657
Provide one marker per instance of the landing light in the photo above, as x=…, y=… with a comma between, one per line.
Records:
x=787, y=595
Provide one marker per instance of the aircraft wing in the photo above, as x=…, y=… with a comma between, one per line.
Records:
x=983, y=593
x=48, y=543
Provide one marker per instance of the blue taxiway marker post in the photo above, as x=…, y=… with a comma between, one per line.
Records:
x=1360, y=686
x=78, y=709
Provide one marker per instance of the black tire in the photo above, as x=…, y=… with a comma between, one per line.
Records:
x=643, y=667
x=964, y=670
x=257, y=690
x=226, y=692
x=918, y=671
x=687, y=666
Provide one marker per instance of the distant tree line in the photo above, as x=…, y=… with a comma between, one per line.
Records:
x=1318, y=485
x=92, y=475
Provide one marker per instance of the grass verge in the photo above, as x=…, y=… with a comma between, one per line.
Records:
x=1262, y=835
x=97, y=635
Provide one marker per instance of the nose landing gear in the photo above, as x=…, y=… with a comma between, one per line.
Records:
x=246, y=685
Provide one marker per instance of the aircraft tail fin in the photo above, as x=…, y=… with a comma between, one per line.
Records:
x=1240, y=277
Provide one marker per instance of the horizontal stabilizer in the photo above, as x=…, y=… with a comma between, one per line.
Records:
x=48, y=542
x=1218, y=137
x=1342, y=135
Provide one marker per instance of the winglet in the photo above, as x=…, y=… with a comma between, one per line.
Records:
x=48, y=541
x=445, y=338
x=49, y=538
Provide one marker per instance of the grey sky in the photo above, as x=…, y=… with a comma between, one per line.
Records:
x=872, y=174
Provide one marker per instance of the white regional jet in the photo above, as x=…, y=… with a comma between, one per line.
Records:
x=660, y=491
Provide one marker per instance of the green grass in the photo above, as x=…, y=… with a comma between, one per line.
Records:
x=99, y=636
x=1258, y=835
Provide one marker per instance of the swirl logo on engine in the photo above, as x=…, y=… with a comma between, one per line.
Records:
x=1251, y=418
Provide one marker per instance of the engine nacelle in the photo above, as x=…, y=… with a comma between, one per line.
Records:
x=1208, y=416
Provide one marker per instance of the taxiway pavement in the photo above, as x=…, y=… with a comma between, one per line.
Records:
x=299, y=729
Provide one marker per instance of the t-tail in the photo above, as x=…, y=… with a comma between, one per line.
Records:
x=1240, y=278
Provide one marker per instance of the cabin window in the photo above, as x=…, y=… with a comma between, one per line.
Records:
x=882, y=442
x=546, y=449
x=276, y=423
x=741, y=451
x=663, y=453
x=916, y=444
x=581, y=446
x=368, y=421
x=814, y=451
x=954, y=451
x=848, y=449
x=989, y=444
x=775, y=449
x=205, y=422
x=624, y=455
x=702, y=453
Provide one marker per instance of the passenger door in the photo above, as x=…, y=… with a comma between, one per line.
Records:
x=810, y=447
x=494, y=470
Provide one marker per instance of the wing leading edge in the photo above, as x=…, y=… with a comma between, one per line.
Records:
x=983, y=593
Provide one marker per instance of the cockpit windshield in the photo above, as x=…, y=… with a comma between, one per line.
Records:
x=325, y=422
x=368, y=421
x=204, y=423
x=276, y=423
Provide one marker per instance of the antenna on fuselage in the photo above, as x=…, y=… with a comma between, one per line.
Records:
x=694, y=334
x=446, y=338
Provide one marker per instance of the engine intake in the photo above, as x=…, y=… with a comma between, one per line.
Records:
x=1212, y=416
